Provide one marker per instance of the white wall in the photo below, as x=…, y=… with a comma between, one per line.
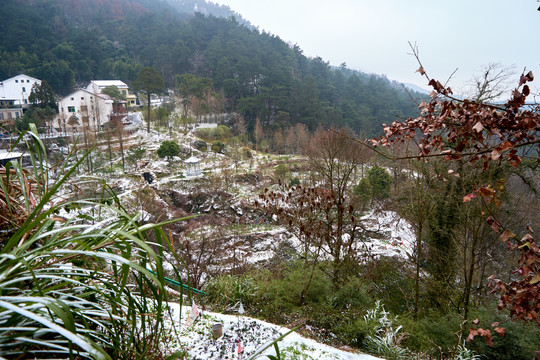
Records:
x=18, y=88
x=98, y=110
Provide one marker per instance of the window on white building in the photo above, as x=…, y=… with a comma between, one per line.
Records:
x=23, y=89
x=17, y=81
x=71, y=109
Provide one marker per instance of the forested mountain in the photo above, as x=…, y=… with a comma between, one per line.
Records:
x=69, y=42
x=206, y=8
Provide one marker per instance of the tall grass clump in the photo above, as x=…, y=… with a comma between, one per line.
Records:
x=79, y=287
x=386, y=338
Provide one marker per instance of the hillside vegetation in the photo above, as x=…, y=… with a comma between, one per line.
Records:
x=68, y=43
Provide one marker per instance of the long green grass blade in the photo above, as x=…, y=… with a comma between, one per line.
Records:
x=84, y=344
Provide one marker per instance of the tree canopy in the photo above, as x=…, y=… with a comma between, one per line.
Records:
x=114, y=93
x=42, y=95
x=168, y=149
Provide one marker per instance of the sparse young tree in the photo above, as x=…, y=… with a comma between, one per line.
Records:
x=73, y=121
x=258, y=133
x=116, y=117
x=334, y=158
x=240, y=125
x=89, y=140
x=135, y=154
x=291, y=141
x=302, y=138
x=150, y=82
x=278, y=141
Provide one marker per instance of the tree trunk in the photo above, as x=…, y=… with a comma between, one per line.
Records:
x=148, y=128
x=120, y=137
x=417, y=275
x=469, y=278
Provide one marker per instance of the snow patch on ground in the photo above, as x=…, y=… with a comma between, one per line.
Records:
x=251, y=334
x=396, y=234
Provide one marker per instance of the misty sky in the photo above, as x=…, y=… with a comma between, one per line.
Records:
x=372, y=36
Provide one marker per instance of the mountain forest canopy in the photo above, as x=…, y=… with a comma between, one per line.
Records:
x=70, y=42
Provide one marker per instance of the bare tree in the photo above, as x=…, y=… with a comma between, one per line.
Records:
x=278, y=141
x=324, y=217
x=291, y=140
x=240, y=125
x=492, y=83
x=258, y=133
x=334, y=157
x=118, y=113
x=302, y=137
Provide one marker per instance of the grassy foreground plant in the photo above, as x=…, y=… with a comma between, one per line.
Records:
x=77, y=288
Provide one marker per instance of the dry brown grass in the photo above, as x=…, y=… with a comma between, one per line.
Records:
x=16, y=199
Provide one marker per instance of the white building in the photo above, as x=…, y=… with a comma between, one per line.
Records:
x=9, y=112
x=89, y=108
x=96, y=86
x=17, y=89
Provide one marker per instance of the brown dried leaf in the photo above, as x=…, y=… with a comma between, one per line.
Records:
x=495, y=155
x=507, y=234
x=472, y=334
x=478, y=127
x=527, y=238
x=500, y=331
x=526, y=91
x=505, y=146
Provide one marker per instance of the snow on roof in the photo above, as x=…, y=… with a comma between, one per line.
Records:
x=9, y=155
x=192, y=160
x=103, y=96
x=106, y=83
x=21, y=76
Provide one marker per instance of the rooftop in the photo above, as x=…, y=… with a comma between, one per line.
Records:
x=106, y=83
